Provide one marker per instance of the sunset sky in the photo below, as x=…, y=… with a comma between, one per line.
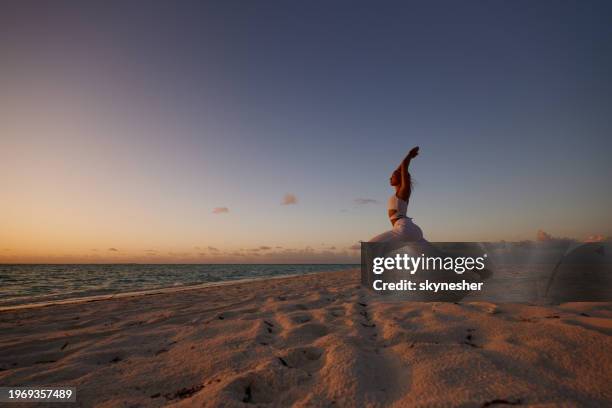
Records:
x=246, y=131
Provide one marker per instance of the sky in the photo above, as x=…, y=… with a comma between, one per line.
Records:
x=267, y=131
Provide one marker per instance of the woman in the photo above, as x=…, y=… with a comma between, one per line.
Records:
x=404, y=230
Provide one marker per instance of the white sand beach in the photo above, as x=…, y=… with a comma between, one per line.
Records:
x=311, y=341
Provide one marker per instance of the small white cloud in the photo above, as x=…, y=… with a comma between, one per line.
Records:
x=289, y=199
x=596, y=238
x=543, y=236
x=364, y=201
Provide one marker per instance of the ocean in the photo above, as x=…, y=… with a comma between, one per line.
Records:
x=25, y=284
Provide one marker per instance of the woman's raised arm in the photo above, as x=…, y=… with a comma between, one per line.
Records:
x=406, y=186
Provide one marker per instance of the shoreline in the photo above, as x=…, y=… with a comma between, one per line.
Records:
x=146, y=292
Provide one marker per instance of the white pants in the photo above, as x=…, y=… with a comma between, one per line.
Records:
x=404, y=230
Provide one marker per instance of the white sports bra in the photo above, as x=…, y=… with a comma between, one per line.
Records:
x=399, y=205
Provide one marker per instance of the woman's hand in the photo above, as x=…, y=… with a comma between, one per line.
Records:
x=413, y=153
x=405, y=187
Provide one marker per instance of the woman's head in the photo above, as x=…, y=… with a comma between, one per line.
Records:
x=396, y=178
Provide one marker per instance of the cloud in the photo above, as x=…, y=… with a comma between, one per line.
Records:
x=596, y=238
x=220, y=210
x=305, y=254
x=113, y=249
x=542, y=236
x=182, y=255
x=261, y=248
x=356, y=247
x=213, y=249
x=289, y=199
x=365, y=201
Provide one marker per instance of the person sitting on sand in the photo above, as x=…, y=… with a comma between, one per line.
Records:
x=404, y=230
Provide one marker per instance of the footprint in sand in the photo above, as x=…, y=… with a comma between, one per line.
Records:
x=307, y=332
x=304, y=358
x=337, y=311
x=266, y=331
x=300, y=318
x=267, y=384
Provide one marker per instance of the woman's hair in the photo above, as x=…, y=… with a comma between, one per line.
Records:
x=410, y=179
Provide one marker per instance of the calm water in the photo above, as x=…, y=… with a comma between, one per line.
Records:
x=21, y=284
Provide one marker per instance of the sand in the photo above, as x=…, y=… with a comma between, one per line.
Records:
x=317, y=340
